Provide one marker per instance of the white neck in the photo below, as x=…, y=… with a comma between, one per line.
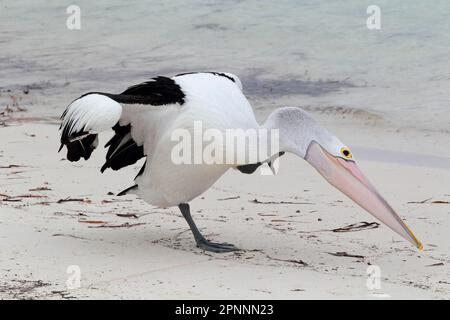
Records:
x=297, y=129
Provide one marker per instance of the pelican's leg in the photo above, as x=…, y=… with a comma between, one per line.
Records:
x=202, y=243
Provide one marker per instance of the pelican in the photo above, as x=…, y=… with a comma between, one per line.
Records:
x=145, y=115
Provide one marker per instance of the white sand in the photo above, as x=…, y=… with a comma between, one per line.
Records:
x=157, y=258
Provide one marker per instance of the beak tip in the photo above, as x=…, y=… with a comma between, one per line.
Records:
x=420, y=246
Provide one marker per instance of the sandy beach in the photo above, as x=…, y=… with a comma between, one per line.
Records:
x=56, y=214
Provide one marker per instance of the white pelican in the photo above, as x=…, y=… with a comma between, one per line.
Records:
x=144, y=116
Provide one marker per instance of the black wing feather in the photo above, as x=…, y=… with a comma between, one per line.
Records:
x=123, y=150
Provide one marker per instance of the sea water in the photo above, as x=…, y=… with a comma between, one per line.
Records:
x=317, y=54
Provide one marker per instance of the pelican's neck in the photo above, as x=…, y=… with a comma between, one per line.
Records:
x=297, y=129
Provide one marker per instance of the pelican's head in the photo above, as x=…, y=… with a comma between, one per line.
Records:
x=302, y=135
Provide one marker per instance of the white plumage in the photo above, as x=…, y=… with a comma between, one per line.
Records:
x=214, y=100
x=93, y=113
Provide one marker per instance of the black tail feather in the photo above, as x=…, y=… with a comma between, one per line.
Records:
x=142, y=170
x=124, y=192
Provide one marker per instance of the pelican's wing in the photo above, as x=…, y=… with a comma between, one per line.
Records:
x=142, y=112
x=133, y=115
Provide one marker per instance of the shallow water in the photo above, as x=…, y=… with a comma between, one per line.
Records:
x=306, y=53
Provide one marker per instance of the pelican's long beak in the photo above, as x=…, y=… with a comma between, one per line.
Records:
x=346, y=176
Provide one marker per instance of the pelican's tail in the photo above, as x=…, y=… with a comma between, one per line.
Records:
x=83, y=119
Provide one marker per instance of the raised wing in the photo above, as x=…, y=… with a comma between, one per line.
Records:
x=95, y=112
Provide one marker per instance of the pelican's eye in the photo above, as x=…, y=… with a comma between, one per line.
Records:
x=345, y=152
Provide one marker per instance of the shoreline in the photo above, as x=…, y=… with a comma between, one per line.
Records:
x=417, y=147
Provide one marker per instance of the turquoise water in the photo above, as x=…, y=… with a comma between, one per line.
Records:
x=307, y=53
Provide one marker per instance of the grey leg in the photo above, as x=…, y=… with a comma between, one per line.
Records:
x=202, y=243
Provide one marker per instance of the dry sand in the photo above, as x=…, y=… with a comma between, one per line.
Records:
x=290, y=248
